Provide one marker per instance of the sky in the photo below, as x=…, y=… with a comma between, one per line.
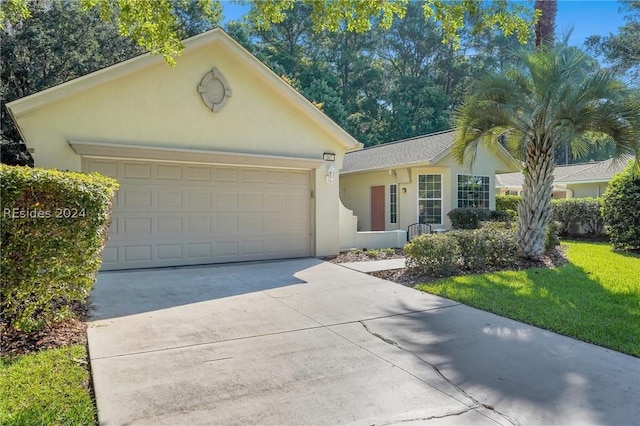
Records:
x=587, y=17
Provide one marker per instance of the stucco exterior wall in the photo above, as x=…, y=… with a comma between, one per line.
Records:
x=160, y=106
x=584, y=190
x=355, y=188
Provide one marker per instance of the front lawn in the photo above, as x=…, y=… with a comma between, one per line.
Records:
x=594, y=298
x=46, y=388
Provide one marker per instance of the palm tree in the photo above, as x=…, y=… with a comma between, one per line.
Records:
x=553, y=95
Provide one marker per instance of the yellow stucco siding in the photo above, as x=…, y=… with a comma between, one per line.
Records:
x=161, y=106
x=355, y=188
x=155, y=105
x=584, y=190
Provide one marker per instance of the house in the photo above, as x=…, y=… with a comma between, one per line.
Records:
x=570, y=181
x=391, y=186
x=218, y=158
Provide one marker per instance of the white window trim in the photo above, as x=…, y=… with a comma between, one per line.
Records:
x=488, y=186
x=391, y=221
x=441, y=199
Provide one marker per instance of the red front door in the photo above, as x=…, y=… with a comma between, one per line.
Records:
x=377, y=208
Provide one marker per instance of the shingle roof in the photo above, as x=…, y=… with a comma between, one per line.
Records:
x=421, y=149
x=600, y=171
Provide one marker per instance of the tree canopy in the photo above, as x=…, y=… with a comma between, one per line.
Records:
x=622, y=50
x=154, y=25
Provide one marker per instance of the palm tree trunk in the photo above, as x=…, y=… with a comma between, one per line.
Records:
x=534, y=212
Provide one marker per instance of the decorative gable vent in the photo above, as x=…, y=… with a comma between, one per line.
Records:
x=214, y=90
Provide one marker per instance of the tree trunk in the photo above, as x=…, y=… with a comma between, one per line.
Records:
x=534, y=212
x=546, y=26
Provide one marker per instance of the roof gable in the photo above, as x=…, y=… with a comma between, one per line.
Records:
x=45, y=98
x=599, y=171
x=427, y=149
x=417, y=150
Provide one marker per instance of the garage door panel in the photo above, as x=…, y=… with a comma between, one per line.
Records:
x=198, y=173
x=169, y=225
x=137, y=198
x=137, y=253
x=137, y=225
x=169, y=198
x=251, y=200
x=226, y=200
x=252, y=176
x=226, y=223
x=169, y=214
x=199, y=250
x=168, y=172
x=225, y=174
x=299, y=178
x=199, y=225
x=136, y=170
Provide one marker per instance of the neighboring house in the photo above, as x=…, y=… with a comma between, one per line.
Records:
x=570, y=181
x=391, y=186
x=218, y=158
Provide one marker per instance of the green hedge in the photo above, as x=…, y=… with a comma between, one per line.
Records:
x=493, y=244
x=507, y=202
x=621, y=210
x=578, y=215
x=470, y=218
x=54, y=225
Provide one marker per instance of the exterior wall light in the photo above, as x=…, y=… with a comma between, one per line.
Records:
x=331, y=173
x=331, y=170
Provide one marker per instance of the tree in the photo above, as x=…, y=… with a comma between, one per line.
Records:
x=545, y=28
x=622, y=50
x=58, y=43
x=157, y=26
x=154, y=25
x=552, y=96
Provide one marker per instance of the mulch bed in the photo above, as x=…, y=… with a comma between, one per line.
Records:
x=408, y=278
x=69, y=332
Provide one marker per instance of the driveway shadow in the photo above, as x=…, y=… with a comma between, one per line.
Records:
x=122, y=293
x=531, y=374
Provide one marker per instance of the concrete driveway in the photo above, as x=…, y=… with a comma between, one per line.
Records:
x=309, y=342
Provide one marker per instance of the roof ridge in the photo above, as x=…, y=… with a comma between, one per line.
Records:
x=402, y=140
x=590, y=165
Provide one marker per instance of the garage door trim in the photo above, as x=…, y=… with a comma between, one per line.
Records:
x=158, y=153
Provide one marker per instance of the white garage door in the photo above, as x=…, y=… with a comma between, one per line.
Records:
x=169, y=214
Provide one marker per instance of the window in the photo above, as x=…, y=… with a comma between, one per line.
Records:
x=393, y=203
x=430, y=199
x=473, y=191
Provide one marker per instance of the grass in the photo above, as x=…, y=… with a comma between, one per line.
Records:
x=46, y=388
x=594, y=298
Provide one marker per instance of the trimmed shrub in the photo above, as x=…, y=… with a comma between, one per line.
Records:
x=54, y=225
x=432, y=254
x=574, y=214
x=500, y=215
x=621, y=210
x=501, y=242
x=551, y=239
x=507, y=202
x=470, y=249
x=473, y=248
x=467, y=218
x=592, y=221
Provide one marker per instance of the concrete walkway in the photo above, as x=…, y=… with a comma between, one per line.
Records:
x=309, y=342
x=376, y=265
